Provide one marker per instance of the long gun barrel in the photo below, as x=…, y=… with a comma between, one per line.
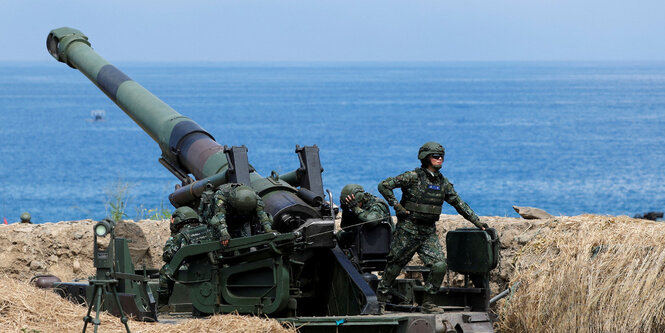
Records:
x=189, y=149
x=184, y=144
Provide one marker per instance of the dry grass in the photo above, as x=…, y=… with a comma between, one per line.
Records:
x=24, y=308
x=590, y=274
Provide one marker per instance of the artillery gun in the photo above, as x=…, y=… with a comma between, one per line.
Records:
x=300, y=275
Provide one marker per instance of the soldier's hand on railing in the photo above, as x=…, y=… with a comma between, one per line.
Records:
x=224, y=237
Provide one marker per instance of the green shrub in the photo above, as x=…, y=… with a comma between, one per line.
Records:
x=117, y=197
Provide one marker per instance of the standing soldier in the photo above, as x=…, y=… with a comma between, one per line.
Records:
x=186, y=229
x=237, y=211
x=423, y=192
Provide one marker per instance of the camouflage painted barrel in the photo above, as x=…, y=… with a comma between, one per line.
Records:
x=185, y=146
x=179, y=138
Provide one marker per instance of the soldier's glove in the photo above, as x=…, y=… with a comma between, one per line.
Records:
x=400, y=211
x=485, y=225
x=224, y=237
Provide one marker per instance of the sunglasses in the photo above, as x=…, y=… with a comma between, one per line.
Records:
x=436, y=156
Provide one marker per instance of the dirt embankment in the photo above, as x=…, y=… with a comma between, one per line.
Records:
x=64, y=249
x=585, y=273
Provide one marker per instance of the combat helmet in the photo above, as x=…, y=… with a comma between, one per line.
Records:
x=243, y=200
x=25, y=217
x=430, y=148
x=355, y=189
x=184, y=215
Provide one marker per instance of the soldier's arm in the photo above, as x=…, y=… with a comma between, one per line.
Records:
x=372, y=214
x=218, y=221
x=461, y=207
x=387, y=186
x=171, y=247
x=264, y=219
x=207, y=205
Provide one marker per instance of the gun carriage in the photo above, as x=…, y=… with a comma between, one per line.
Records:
x=300, y=275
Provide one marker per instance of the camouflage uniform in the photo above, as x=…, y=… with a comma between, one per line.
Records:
x=373, y=211
x=423, y=194
x=228, y=220
x=360, y=210
x=190, y=232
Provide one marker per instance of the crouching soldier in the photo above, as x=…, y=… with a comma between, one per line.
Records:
x=366, y=228
x=237, y=211
x=360, y=207
x=360, y=210
x=186, y=229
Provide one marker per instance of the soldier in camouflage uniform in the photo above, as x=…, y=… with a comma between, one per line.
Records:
x=360, y=208
x=235, y=210
x=423, y=192
x=365, y=207
x=366, y=228
x=186, y=229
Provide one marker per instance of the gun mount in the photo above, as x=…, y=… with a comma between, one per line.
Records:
x=300, y=275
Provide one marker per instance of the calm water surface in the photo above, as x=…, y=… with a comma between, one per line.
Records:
x=570, y=138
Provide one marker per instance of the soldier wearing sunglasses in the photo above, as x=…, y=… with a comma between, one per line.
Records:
x=424, y=191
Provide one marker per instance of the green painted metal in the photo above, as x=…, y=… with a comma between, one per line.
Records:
x=259, y=285
x=256, y=287
x=271, y=240
x=186, y=147
x=154, y=116
x=116, y=276
x=471, y=250
x=350, y=324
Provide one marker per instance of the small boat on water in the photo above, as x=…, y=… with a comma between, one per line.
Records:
x=97, y=115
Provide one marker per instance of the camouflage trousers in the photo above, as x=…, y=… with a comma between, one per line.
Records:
x=410, y=238
x=165, y=286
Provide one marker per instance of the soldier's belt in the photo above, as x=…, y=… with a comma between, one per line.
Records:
x=424, y=209
x=424, y=222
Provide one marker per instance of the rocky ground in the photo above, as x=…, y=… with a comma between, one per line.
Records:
x=64, y=249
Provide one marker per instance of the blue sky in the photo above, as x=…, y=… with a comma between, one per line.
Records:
x=290, y=30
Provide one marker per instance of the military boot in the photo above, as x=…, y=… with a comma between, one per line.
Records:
x=383, y=296
x=428, y=305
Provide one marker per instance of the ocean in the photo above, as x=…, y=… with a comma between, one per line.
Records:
x=567, y=137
